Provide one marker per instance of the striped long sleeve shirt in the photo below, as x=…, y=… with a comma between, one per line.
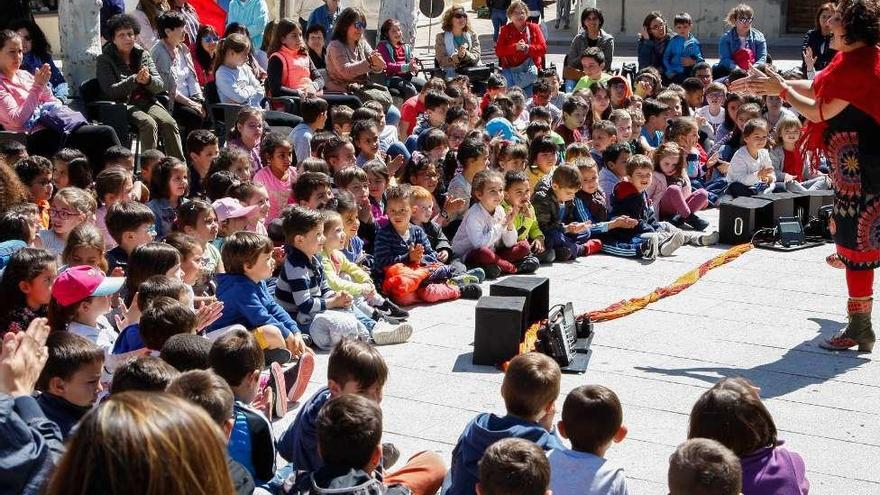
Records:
x=392, y=248
x=302, y=289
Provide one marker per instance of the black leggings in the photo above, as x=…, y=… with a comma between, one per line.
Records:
x=92, y=140
x=408, y=86
x=187, y=119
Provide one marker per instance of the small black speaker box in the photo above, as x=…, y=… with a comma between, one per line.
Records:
x=738, y=218
x=782, y=205
x=806, y=206
x=536, y=290
x=498, y=329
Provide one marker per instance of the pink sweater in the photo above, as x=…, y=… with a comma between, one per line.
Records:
x=280, y=192
x=19, y=97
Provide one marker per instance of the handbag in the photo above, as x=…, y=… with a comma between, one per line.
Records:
x=62, y=119
x=372, y=92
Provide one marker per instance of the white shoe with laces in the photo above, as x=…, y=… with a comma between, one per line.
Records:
x=385, y=333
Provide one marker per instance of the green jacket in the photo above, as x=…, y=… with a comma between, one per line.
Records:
x=118, y=80
x=526, y=225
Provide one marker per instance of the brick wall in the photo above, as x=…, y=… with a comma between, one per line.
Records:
x=801, y=15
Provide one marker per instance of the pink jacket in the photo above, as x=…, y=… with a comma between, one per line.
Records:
x=659, y=186
x=19, y=97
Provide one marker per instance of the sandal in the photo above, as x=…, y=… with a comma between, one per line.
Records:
x=834, y=261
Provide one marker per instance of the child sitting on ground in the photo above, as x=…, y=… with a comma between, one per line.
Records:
x=401, y=244
x=791, y=168
x=529, y=389
x=80, y=299
x=111, y=186
x=248, y=260
x=303, y=290
x=517, y=195
x=142, y=374
x=590, y=207
x=543, y=155
x=196, y=218
x=130, y=224
x=35, y=173
x=701, y=466
x=593, y=63
x=510, y=155
x=232, y=217
x=313, y=111
x=670, y=192
x=202, y=146
x=514, y=466
x=353, y=246
x=85, y=246
x=277, y=176
x=472, y=153
x=343, y=275
x=751, y=171
x=338, y=152
x=70, y=167
x=574, y=114
x=487, y=238
x=237, y=358
x=253, y=194
x=313, y=190
x=71, y=206
x=604, y=134
x=732, y=413
x=204, y=388
x=615, y=157
x=354, y=367
x=630, y=198
x=552, y=200
x=26, y=288
x=186, y=351
x=423, y=216
x=349, y=434
x=168, y=190
x=71, y=379
x=232, y=159
x=656, y=114
x=592, y=419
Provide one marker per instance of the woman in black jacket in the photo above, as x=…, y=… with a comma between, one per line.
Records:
x=816, y=48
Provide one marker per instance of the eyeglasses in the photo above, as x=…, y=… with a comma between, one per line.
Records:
x=460, y=15
x=211, y=38
x=62, y=214
x=151, y=229
x=744, y=20
x=360, y=25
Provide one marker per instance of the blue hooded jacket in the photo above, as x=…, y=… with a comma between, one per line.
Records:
x=679, y=47
x=478, y=435
x=248, y=303
x=299, y=444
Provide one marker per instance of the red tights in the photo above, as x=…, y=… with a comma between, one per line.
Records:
x=860, y=283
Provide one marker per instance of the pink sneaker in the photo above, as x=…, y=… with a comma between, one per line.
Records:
x=301, y=372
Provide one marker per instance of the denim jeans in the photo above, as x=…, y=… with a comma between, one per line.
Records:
x=499, y=18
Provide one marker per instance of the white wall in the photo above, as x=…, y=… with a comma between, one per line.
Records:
x=709, y=15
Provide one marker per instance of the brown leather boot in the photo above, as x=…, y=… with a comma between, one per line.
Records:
x=858, y=331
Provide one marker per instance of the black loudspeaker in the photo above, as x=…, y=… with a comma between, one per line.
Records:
x=782, y=205
x=498, y=329
x=806, y=206
x=536, y=290
x=738, y=218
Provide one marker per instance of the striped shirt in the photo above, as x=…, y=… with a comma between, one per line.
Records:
x=302, y=289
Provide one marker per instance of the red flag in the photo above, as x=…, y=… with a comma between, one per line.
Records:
x=210, y=13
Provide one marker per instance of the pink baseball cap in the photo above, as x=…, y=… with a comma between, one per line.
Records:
x=79, y=282
x=226, y=208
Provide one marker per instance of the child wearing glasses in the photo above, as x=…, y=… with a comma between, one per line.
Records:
x=70, y=207
x=742, y=46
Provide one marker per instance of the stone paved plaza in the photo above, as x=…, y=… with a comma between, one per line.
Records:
x=761, y=317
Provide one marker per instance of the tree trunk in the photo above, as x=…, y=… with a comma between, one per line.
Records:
x=405, y=11
x=79, y=26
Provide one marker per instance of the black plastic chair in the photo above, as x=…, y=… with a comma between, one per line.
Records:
x=113, y=113
x=5, y=135
x=224, y=115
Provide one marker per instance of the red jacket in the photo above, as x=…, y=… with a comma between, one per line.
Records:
x=505, y=48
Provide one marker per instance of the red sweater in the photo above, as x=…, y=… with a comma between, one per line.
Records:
x=505, y=48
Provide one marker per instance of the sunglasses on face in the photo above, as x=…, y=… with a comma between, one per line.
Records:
x=210, y=38
x=360, y=25
x=744, y=20
x=460, y=15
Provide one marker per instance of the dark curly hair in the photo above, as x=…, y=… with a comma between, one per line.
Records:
x=861, y=19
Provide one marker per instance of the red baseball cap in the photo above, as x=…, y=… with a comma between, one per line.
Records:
x=79, y=282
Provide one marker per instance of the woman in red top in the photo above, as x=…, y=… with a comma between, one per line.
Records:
x=204, y=52
x=520, y=48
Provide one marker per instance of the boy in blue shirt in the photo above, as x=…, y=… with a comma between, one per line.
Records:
x=529, y=389
x=683, y=51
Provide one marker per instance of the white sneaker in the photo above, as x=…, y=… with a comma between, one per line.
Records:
x=385, y=333
x=651, y=248
x=674, y=242
x=708, y=239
